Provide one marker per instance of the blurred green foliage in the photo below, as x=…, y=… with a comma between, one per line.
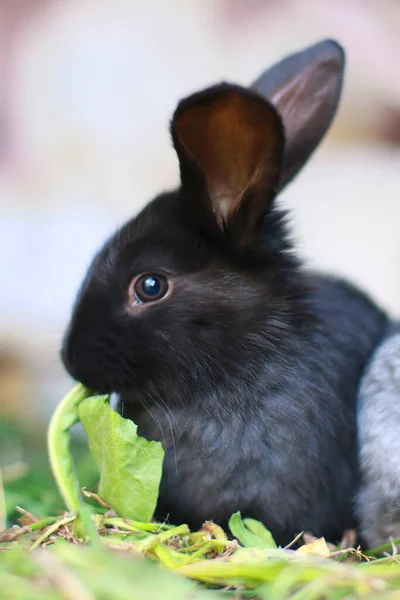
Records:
x=27, y=478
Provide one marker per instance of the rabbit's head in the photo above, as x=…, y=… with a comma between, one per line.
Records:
x=202, y=286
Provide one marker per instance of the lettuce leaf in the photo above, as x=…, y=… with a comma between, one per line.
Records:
x=130, y=466
x=251, y=533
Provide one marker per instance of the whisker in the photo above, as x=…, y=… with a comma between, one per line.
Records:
x=156, y=421
x=164, y=408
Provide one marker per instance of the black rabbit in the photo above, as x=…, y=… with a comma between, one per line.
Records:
x=199, y=315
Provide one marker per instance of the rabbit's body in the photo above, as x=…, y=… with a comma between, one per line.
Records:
x=231, y=446
x=378, y=501
x=254, y=400
x=198, y=314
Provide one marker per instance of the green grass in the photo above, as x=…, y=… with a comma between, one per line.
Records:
x=41, y=557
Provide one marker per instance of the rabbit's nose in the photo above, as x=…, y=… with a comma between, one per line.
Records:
x=88, y=359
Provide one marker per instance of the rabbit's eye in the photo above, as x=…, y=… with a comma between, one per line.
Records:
x=150, y=287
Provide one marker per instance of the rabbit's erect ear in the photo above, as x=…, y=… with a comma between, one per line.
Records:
x=305, y=88
x=230, y=146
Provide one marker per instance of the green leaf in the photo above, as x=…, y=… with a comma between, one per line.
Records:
x=130, y=466
x=250, y=533
x=65, y=415
x=261, y=532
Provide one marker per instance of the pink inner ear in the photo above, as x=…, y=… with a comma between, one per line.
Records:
x=235, y=139
x=307, y=100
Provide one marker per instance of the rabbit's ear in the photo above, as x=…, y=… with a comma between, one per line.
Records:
x=230, y=146
x=305, y=88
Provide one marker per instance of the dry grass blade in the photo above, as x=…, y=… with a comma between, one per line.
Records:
x=96, y=497
x=12, y=534
x=62, y=578
x=294, y=541
x=50, y=530
x=27, y=518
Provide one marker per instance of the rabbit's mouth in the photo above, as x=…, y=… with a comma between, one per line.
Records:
x=99, y=364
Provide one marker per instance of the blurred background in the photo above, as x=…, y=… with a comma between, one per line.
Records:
x=87, y=88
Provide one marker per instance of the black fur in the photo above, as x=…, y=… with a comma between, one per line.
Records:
x=248, y=372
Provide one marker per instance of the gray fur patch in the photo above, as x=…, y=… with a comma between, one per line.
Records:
x=378, y=501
